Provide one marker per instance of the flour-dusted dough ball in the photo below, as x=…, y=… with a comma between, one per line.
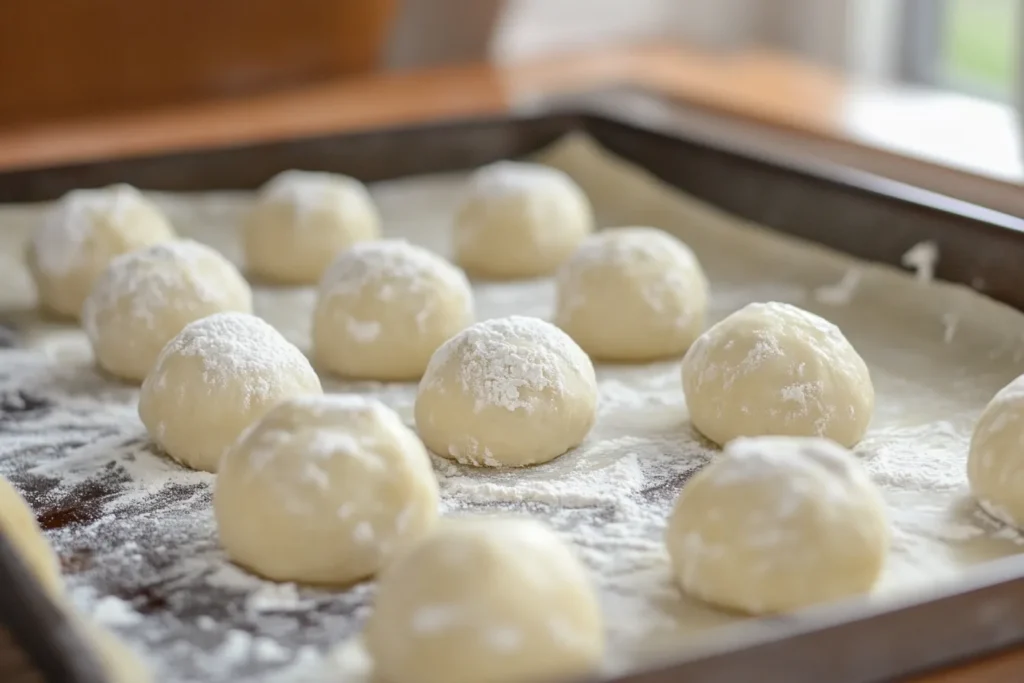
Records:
x=301, y=220
x=777, y=523
x=324, y=489
x=485, y=601
x=216, y=377
x=995, y=465
x=19, y=527
x=520, y=220
x=632, y=294
x=383, y=309
x=506, y=392
x=144, y=298
x=80, y=236
x=775, y=369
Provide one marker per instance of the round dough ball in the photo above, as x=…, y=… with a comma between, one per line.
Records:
x=777, y=523
x=324, y=489
x=485, y=601
x=216, y=377
x=995, y=465
x=80, y=236
x=19, y=527
x=144, y=298
x=520, y=220
x=775, y=369
x=301, y=220
x=632, y=294
x=384, y=308
x=510, y=391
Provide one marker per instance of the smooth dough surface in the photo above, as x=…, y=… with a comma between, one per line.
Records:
x=506, y=392
x=301, y=220
x=520, y=220
x=144, y=298
x=324, y=489
x=775, y=369
x=384, y=307
x=995, y=464
x=485, y=600
x=632, y=294
x=216, y=377
x=774, y=524
x=18, y=525
x=80, y=236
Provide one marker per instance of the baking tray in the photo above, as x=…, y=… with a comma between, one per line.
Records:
x=863, y=215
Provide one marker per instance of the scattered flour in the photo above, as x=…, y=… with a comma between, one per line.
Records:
x=137, y=538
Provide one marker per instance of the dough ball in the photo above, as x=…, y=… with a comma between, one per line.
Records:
x=995, y=465
x=324, y=489
x=384, y=308
x=216, y=377
x=485, y=601
x=632, y=294
x=80, y=236
x=520, y=220
x=19, y=527
x=777, y=523
x=144, y=298
x=506, y=392
x=774, y=369
x=118, y=661
x=301, y=220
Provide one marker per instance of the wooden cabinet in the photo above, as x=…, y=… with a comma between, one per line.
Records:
x=63, y=58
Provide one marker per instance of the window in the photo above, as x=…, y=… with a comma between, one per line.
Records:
x=963, y=45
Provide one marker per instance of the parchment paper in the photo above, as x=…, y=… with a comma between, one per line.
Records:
x=137, y=539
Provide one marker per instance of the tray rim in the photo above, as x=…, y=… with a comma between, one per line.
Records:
x=1000, y=579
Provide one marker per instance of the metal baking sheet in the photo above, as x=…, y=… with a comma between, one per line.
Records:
x=861, y=215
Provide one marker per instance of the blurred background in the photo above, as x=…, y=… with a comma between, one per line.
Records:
x=935, y=79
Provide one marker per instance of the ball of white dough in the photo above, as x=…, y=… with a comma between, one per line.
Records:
x=777, y=523
x=485, y=601
x=775, y=369
x=506, y=392
x=216, y=377
x=632, y=294
x=520, y=220
x=301, y=220
x=995, y=465
x=19, y=527
x=384, y=308
x=324, y=489
x=80, y=236
x=144, y=298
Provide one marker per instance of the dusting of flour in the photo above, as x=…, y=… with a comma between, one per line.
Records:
x=135, y=532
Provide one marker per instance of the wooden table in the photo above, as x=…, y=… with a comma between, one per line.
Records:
x=762, y=89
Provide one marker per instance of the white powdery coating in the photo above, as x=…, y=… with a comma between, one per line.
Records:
x=798, y=398
x=509, y=178
x=238, y=345
x=150, y=278
x=58, y=241
x=619, y=249
x=748, y=460
x=308, y=190
x=509, y=362
x=392, y=268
